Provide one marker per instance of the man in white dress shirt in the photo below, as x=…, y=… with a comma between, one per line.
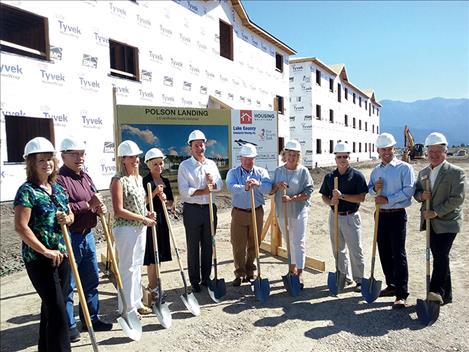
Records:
x=196, y=176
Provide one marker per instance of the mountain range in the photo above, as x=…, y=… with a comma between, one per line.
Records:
x=448, y=116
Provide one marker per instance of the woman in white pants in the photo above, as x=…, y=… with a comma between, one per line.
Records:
x=297, y=181
x=131, y=220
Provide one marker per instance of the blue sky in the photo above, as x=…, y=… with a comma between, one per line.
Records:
x=404, y=50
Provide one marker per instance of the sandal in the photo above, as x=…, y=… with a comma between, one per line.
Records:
x=144, y=310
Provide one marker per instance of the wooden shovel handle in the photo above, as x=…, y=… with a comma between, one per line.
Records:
x=427, y=234
x=76, y=276
x=153, y=230
x=111, y=252
x=336, y=220
x=254, y=225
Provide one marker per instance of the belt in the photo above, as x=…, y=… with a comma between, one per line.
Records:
x=348, y=212
x=82, y=232
x=197, y=205
x=398, y=210
x=247, y=210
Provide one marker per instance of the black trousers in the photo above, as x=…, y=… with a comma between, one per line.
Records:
x=51, y=283
x=391, y=247
x=440, y=245
x=199, y=242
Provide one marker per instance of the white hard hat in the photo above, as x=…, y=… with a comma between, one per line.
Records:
x=435, y=138
x=71, y=143
x=128, y=148
x=154, y=153
x=385, y=140
x=195, y=135
x=248, y=150
x=293, y=144
x=38, y=145
x=342, y=147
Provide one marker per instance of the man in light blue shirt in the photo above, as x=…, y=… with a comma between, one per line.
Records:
x=239, y=181
x=395, y=180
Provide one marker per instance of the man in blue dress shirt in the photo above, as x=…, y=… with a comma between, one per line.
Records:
x=396, y=180
x=240, y=180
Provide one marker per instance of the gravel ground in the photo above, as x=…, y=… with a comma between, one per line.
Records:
x=314, y=321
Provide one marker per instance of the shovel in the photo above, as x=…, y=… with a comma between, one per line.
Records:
x=427, y=311
x=129, y=321
x=81, y=295
x=187, y=298
x=160, y=308
x=260, y=286
x=336, y=281
x=216, y=287
x=290, y=281
x=371, y=287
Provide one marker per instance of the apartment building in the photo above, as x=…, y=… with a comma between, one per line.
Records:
x=325, y=108
x=60, y=61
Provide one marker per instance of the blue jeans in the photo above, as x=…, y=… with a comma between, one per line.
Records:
x=84, y=249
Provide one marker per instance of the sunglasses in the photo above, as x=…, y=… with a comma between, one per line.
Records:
x=341, y=157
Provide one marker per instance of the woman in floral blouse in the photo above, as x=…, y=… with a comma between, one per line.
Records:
x=131, y=219
x=41, y=206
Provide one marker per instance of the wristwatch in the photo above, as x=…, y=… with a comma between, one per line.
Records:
x=342, y=196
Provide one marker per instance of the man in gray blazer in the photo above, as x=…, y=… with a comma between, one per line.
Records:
x=446, y=197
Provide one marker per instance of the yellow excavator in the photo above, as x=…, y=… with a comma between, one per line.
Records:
x=412, y=150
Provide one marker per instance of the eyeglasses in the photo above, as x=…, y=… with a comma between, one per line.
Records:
x=341, y=156
x=76, y=154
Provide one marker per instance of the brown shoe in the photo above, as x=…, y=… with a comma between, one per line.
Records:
x=144, y=310
x=434, y=297
x=399, y=303
x=236, y=282
x=388, y=292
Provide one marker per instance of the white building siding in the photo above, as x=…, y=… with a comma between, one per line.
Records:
x=307, y=96
x=179, y=65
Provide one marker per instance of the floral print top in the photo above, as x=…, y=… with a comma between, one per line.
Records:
x=43, y=220
x=133, y=199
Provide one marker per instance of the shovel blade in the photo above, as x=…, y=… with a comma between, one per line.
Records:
x=216, y=289
x=292, y=284
x=427, y=311
x=370, y=289
x=163, y=314
x=131, y=325
x=261, y=288
x=191, y=303
x=336, y=282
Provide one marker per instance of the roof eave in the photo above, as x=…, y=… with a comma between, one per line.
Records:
x=239, y=8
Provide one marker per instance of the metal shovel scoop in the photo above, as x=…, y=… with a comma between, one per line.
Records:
x=260, y=286
x=187, y=298
x=290, y=281
x=81, y=295
x=160, y=308
x=427, y=311
x=216, y=286
x=129, y=321
x=336, y=281
x=370, y=287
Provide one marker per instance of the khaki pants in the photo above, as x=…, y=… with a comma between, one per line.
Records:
x=242, y=240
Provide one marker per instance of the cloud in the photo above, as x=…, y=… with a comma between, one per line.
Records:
x=172, y=152
x=211, y=142
x=186, y=150
x=146, y=135
x=216, y=155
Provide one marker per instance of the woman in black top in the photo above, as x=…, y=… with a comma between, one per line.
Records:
x=161, y=190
